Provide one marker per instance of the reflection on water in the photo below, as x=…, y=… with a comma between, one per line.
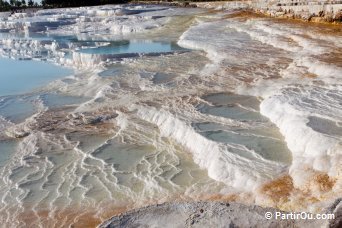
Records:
x=59, y=100
x=17, y=108
x=136, y=46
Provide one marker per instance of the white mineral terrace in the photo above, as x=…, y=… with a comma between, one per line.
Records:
x=166, y=104
x=299, y=8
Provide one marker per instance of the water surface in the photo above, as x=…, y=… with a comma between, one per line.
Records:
x=21, y=76
x=135, y=46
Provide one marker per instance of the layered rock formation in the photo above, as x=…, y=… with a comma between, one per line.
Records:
x=314, y=10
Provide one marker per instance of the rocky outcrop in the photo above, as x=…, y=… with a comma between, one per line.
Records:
x=336, y=208
x=215, y=214
x=313, y=10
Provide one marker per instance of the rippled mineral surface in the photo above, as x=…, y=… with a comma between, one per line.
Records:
x=112, y=108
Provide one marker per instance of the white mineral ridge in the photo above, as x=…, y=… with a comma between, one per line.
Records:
x=309, y=116
x=242, y=173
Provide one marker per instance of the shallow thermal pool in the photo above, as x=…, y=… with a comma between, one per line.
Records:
x=22, y=76
x=134, y=46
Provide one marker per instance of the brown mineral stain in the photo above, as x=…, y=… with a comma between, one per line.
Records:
x=278, y=188
x=220, y=197
x=282, y=194
x=244, y=14
x=324, y=182
x=310, y=75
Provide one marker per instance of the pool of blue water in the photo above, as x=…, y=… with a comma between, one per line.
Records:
x=22, y=76
x=136, y=46
x=6, y=150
